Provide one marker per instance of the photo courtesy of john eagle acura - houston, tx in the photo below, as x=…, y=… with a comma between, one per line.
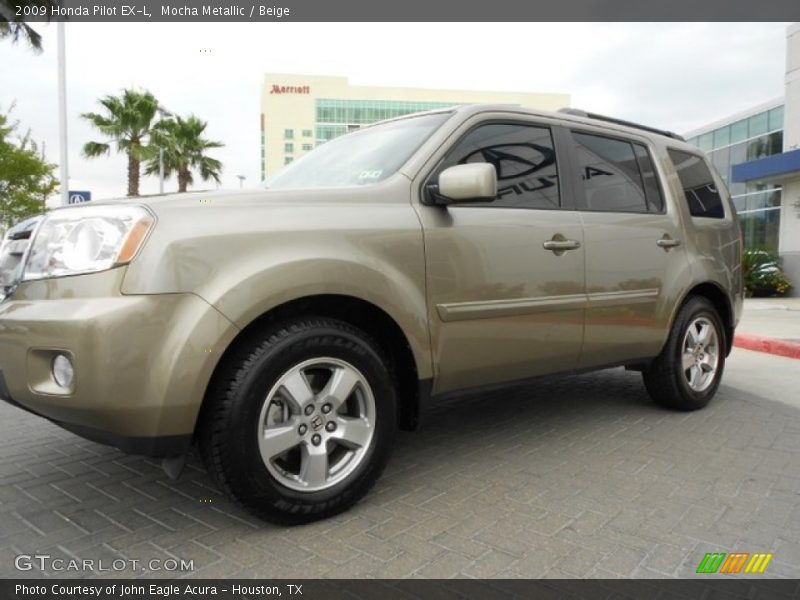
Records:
x=289, y=332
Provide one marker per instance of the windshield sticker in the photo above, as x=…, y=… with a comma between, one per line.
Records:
x=370, y=175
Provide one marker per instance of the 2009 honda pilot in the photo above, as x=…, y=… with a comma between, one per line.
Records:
x=290, y=331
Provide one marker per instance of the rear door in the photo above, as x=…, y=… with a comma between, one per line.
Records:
x=636, y=259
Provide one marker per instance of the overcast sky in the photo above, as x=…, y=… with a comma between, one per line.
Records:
x=675, y=76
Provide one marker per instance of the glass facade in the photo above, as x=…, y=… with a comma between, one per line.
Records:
x=758, y=205
x=337, y=117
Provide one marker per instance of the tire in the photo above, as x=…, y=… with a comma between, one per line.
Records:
x=666, y=380
x=279, y=391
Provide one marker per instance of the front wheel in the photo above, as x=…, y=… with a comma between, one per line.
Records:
x=686, y=375
x=301, y=423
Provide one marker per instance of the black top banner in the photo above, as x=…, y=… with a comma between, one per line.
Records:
x=400, y=10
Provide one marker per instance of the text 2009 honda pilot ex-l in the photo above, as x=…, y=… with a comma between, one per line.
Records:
x=290, y=331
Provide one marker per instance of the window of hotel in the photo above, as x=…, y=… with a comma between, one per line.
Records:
x=362, y=112
x=307, y=133
x=288, y=148
x=722, y=137
x=759, y=124
x=739, y=131
x=764, y=146
x=776, y=118
x=738, y=154
x=307, y=147
x=721, y=159
x=775, y=143
x=287, y=160
x=288, y=134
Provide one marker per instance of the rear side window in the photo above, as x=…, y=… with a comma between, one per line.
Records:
x=698, y=185
x=618, y=175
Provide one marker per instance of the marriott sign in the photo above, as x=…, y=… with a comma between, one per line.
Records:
x=290, y=89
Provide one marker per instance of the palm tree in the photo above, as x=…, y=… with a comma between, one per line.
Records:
x=128, y=121
x=184, y=150
x=14, y=27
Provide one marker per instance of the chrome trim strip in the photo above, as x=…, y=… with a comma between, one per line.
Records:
x=604, y=299
x=489, y=309
x=507, y=308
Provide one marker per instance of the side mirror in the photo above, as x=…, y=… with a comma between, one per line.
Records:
x=473, y=182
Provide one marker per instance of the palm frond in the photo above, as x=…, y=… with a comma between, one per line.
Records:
x=14, y=27
x=94, y=149
x=127, y=120
x=184, y=148
x=210, y=168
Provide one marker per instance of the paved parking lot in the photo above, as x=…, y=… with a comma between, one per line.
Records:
x=571, y=478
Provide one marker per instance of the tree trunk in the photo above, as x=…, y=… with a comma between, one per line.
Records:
x=183, y=179
x=133, y=172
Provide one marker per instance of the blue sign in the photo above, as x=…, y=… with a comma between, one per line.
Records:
x=77, y=197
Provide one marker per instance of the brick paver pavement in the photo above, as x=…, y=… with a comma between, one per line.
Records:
x=575, y=477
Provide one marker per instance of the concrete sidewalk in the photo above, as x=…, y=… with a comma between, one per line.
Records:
x=770, y=325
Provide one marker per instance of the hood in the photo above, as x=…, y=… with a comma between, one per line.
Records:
x=238, y=198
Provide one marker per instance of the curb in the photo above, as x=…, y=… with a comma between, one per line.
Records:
x=769, y=345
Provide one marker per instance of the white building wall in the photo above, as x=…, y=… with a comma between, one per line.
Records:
x=789, y=245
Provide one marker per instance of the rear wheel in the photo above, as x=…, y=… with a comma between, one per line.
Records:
x=301, y=423
x=686, y=375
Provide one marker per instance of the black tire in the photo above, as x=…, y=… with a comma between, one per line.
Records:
x=231, y=420
x=665, y=380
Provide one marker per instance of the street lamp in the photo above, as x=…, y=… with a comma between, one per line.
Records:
x=241, y=180
x=62, y=113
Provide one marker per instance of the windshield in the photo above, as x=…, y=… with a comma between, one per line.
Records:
x=363, y=157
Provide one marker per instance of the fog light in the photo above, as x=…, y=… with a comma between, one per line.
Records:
x=63, y=372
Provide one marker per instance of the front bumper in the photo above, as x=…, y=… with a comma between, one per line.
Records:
x=142, y=362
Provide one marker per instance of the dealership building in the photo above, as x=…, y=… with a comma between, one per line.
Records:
x=741, y=138
x=757, y=152
x=298, y=112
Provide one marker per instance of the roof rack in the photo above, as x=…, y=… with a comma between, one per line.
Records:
x=576, y=112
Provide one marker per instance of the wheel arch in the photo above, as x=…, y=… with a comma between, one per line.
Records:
x=370, y=318
x=714, y=293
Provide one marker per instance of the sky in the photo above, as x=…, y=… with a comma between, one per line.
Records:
x=676, y=76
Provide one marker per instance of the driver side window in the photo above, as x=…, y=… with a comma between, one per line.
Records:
x=524, y=158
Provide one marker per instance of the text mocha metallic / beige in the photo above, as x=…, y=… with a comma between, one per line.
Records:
x=290, y=331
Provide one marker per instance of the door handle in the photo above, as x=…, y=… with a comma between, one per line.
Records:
x=667, y=242
x=561, y=245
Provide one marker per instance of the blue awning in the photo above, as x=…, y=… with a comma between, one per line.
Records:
x=771, y=168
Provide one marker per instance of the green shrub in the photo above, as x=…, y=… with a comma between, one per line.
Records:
x=763, y=275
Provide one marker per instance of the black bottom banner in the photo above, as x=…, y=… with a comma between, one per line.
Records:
x=429, y=589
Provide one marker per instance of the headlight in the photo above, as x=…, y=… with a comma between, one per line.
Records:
x=86, y=240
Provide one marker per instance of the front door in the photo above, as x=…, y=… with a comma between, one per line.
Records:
x=505, y=278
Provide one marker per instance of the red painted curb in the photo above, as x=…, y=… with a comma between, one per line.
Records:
x=769, y=345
